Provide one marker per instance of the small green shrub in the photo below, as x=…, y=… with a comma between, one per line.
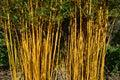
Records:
x=112, y=62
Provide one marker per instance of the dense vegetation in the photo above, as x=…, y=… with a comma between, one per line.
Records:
x=59, y=15
x=3, y=50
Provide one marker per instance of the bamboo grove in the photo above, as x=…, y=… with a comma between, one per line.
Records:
x=37, y=44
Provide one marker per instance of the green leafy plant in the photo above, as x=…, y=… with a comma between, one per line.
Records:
x=3, y=50
x=113, y=59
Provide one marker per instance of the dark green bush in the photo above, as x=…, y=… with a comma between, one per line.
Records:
x=3, y=50
x=112, y=62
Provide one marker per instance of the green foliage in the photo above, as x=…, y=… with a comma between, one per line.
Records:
x=112, y=62
x=114, y=9
x=62, y=10
x=115, y=40
x=3, y=50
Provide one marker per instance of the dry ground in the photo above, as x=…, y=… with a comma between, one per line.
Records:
x=5, y=75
